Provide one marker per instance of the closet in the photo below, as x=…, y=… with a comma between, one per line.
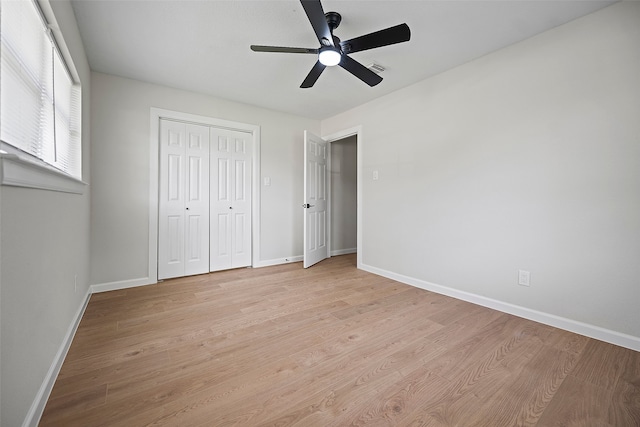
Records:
x=204, y=219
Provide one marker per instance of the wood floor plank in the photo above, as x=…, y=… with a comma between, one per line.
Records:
x=329, y=346
x=67, y=384
x=451, y=403
x=522, y=400
x=578, y=403
x=353, y=382
x=224, y=365
x=325, y=376
x=81, y=401
x=602, y=364
x=625, y=401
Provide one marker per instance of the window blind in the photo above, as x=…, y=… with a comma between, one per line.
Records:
x=40, y=112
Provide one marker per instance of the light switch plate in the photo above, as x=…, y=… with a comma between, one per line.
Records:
x=524, y=277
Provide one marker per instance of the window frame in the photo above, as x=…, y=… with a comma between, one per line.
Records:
x=27, y=171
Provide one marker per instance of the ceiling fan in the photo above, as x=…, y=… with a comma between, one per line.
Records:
x=332, y=51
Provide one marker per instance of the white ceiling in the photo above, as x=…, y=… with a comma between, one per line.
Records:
x=203, y=46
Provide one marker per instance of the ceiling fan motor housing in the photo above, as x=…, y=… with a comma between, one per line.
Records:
x=333, y=19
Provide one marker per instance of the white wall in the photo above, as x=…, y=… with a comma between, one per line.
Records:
x=1, y=319
x=120, y=172
x=527, y=158
x=344, y=168
x=44, y=245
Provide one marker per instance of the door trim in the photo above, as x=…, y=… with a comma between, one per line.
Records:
x=357, y=131
x=154, y=125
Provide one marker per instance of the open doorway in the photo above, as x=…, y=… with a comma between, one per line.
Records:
x=343, y=196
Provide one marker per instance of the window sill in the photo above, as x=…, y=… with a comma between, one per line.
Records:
x=16, y=171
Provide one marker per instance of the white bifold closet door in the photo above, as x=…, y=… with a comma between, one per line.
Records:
x=230, y=208
x=183, y=223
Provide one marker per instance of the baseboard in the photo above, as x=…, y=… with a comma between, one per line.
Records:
x=123, y=284
x=591, y=331
x=338, y=252
x=278, y=261
x=37, y=407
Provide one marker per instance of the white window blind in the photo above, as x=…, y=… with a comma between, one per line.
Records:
x=40, y=111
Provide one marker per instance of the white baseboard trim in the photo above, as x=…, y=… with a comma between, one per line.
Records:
x=123, y=284
x=591, y=331
x=338, y=252
x=278, y=261
x=37, y=407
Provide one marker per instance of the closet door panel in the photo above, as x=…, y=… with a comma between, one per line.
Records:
x=230, y=199
x=183, y=223
x=171, y=227
x=197, y=200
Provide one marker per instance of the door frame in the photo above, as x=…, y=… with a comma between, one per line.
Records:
x=336, y=136
x=154, y=158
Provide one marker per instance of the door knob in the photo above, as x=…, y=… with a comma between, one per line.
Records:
x=187, y=208
x=230, y=207
x=307, y=205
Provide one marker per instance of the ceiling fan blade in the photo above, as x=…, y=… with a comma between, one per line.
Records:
x=313, y=75
x=392, y=35
x=282, y=49
x=315, y=13
x=360, y=71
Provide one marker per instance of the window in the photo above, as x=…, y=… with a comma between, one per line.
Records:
x=40, y=104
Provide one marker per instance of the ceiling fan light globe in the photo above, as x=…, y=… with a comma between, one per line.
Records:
x=329, y=57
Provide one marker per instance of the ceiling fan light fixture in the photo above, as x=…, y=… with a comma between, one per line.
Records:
x=333, y=52
x=329, y=56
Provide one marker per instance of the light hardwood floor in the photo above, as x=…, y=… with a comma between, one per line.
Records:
x=329, y=346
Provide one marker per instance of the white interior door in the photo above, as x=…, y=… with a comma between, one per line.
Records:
x=315, y=196
x=230, y=199
x=183, y=227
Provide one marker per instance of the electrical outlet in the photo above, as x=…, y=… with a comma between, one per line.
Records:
x=524, y=277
